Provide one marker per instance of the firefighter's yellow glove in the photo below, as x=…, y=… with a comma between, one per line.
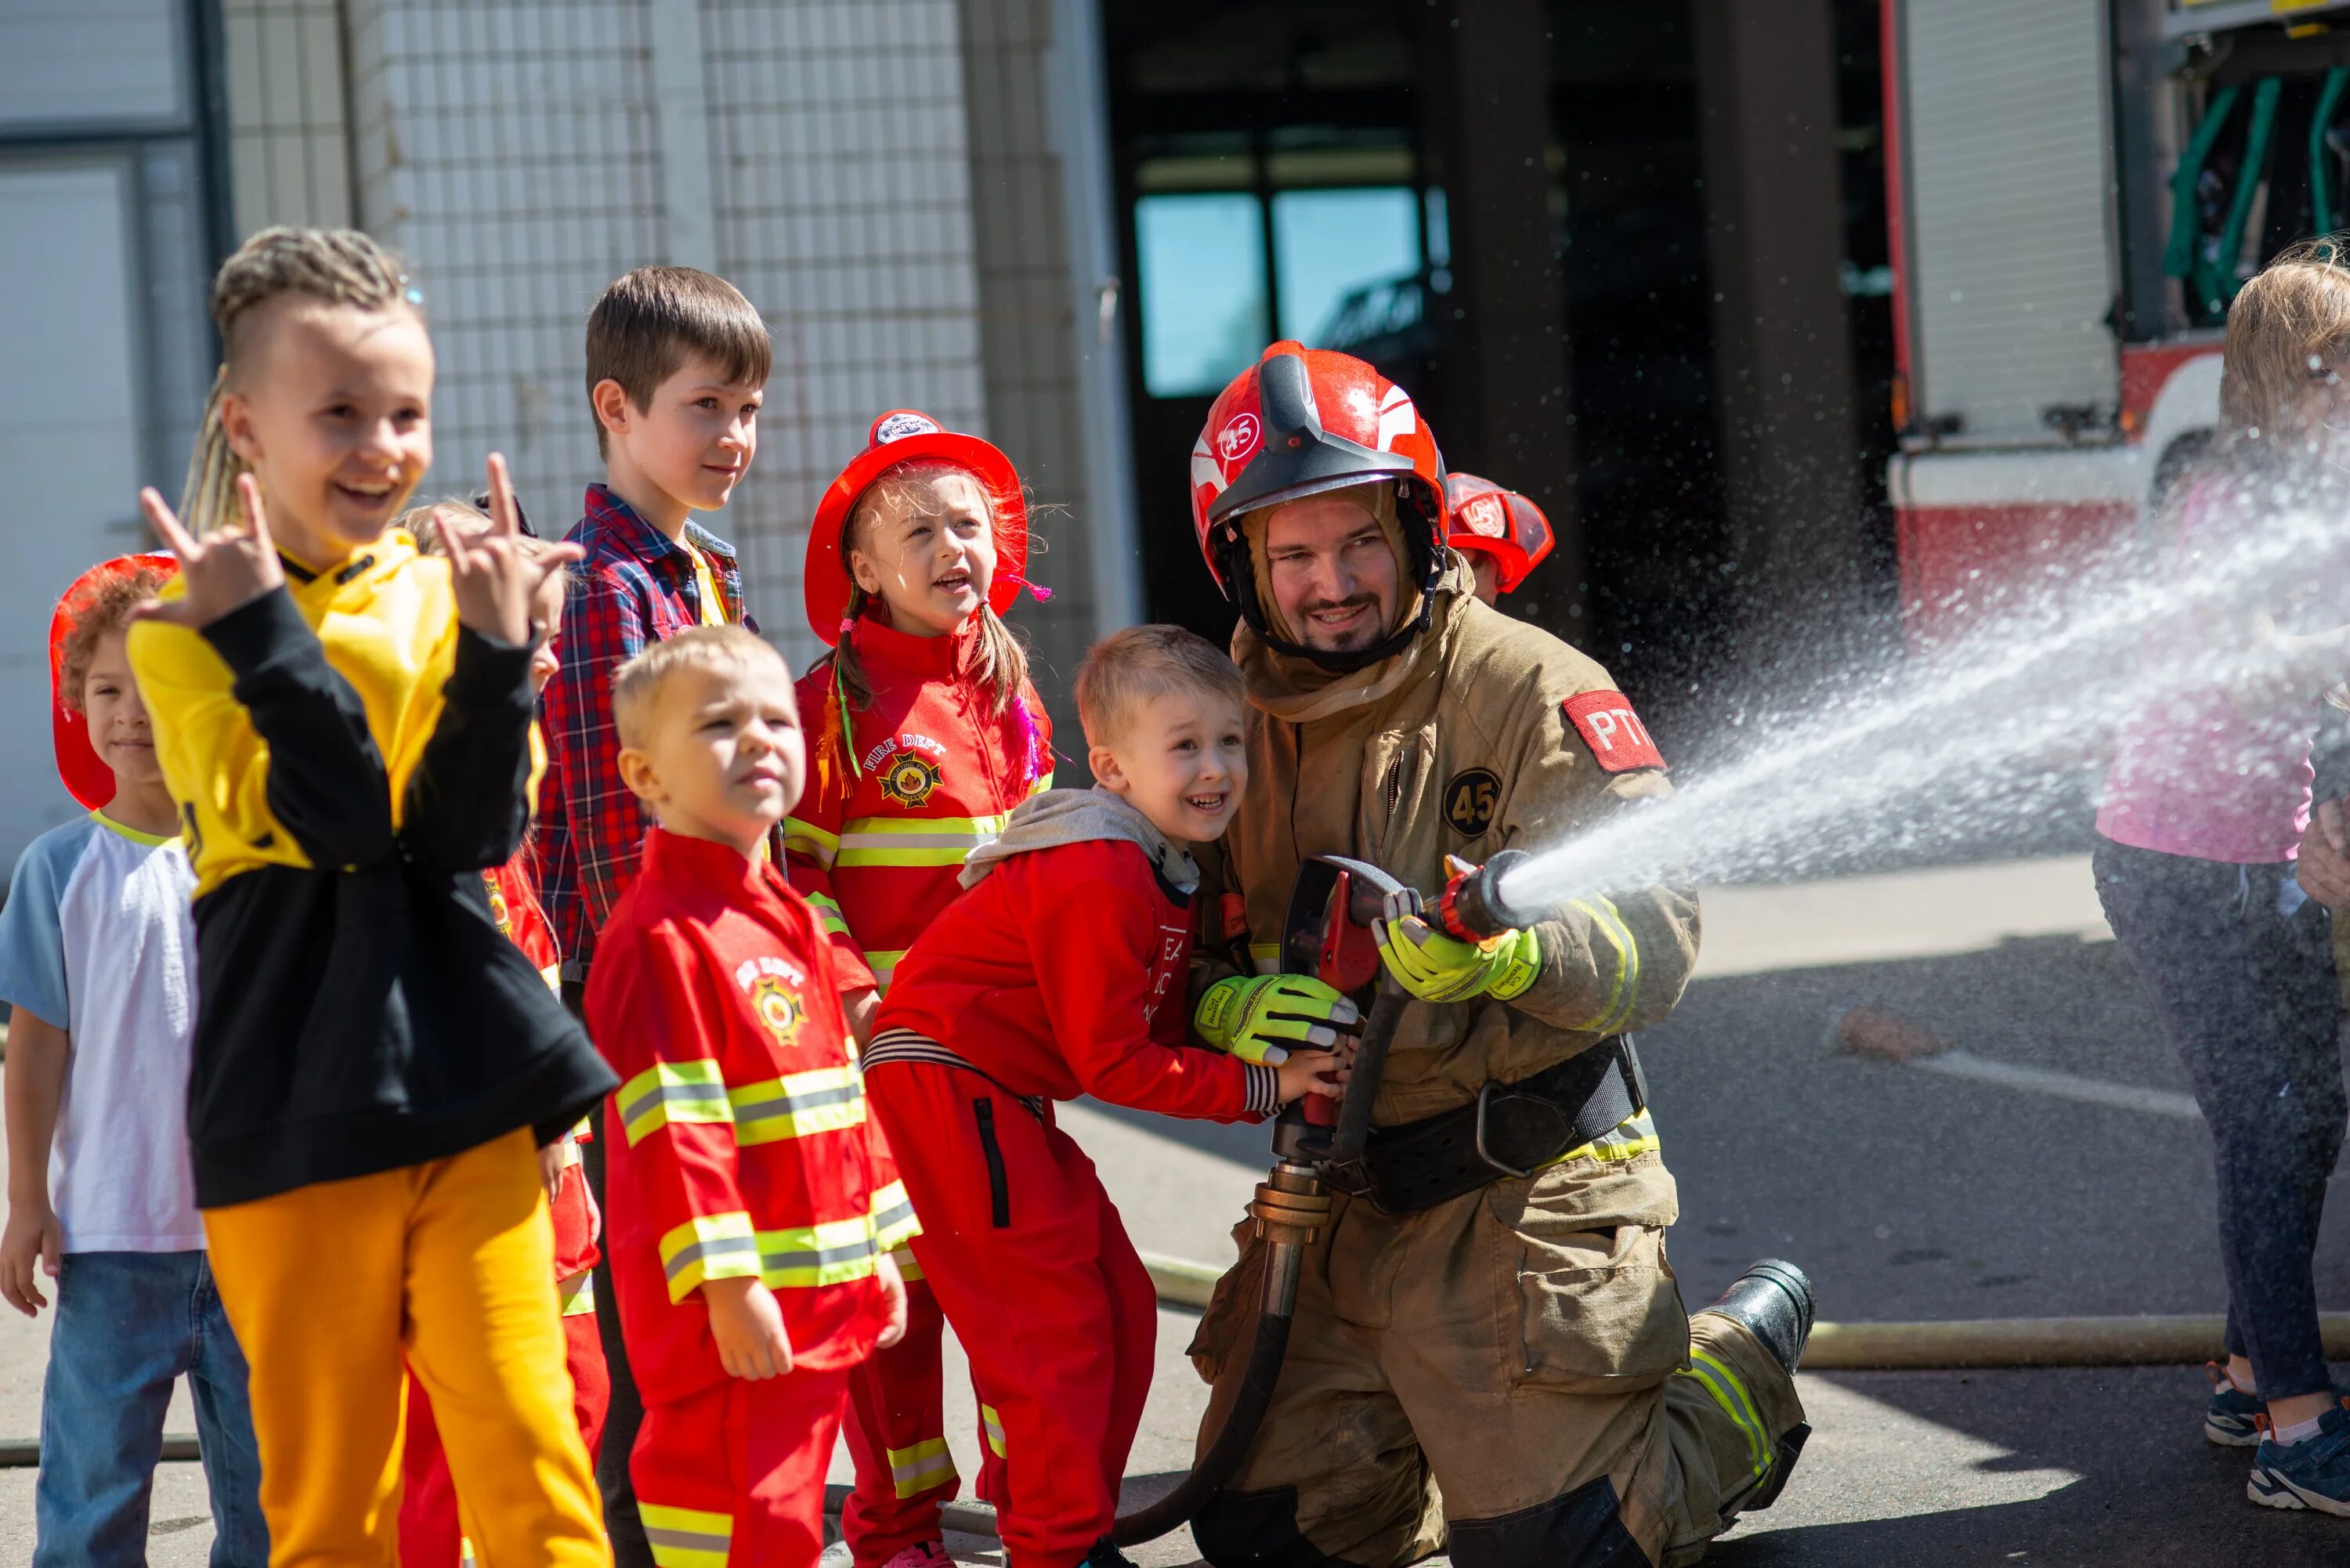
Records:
x=1264, y=1017
x=1434, y=967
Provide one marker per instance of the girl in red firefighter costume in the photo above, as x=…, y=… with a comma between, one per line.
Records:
x=926, y=735
x=430, y=1534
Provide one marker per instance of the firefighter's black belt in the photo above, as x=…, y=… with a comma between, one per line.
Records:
x=1509, y=1130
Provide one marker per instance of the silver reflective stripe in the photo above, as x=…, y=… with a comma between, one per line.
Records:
x=704, y=1252
x=890, y=1219
x=817, y=1258
x=666, y=1094
x=686, y=1540
x=792, y=1104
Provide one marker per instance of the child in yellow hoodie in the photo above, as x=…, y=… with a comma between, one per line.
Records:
x=346, y=727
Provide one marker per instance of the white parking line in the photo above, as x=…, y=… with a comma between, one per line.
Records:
x=1957, y=1064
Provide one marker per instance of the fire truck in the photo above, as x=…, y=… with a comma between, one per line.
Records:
x=2075, y=190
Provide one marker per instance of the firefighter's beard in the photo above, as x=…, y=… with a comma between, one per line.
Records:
x=1342, y=626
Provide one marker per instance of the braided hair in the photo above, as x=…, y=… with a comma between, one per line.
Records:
x=336, y=266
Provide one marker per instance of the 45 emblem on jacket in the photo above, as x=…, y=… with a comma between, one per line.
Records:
x=778, y=1007
x=1469, y=799
x=909, y=778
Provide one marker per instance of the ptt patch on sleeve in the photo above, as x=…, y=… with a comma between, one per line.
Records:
x=1619, y=742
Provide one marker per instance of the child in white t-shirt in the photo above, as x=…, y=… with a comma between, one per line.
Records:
x=98, y=962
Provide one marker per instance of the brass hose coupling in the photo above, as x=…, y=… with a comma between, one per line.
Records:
x=1290, y=1205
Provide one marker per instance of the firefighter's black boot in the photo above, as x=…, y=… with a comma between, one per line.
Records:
x=1772, y=1301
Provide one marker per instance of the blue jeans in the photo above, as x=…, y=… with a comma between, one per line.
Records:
x=2239, y=965
x=128, y=1325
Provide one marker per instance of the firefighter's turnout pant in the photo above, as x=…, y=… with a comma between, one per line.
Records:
x=1046, y=1293
x=1511, y=1373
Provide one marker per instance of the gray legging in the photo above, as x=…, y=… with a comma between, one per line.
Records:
x=2240, y=967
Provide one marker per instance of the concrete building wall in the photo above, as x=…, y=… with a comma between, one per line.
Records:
x=1028, y=326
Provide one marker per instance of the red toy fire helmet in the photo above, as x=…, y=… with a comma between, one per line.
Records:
x=1501, y=523
x=906, y=435
x=1298, y=422
x=86, y=775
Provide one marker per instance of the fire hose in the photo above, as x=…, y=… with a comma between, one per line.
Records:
x=1327, y=933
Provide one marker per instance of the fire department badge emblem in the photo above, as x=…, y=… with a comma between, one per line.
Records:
x=777, y=1008
x=909, y=778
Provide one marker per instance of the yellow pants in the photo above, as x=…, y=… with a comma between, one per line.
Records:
x=447, y=1267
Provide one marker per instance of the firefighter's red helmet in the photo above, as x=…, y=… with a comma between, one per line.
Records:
x=1501, y=523
x=87, y=776
x=900, y=436
x=1298, y=422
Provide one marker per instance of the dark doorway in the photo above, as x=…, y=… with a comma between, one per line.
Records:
x=1276, y=177
x=1270, y=180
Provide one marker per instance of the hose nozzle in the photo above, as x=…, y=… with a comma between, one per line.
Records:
x=1472, y=908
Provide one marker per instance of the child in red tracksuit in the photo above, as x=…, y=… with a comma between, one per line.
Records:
x=750, y=1210
x=929, y=735
x=1061, y=972
x=430, y=1534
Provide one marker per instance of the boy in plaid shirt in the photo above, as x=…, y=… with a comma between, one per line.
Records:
x=676, y=363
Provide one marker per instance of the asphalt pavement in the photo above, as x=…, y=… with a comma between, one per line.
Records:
x=1906, y=1194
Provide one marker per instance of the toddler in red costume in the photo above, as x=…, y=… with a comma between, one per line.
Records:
x=1059, y=973
x=751, y=1211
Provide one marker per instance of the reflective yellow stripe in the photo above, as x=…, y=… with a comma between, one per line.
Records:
x=669, y=1091
x=686, y=1537
x=916, y=841
x=993, y=1423
x=1717, y=1380
x=884, y=965
x=806, y=838
x=567, y=1151
x=1041, y=786
x=825, y=1100
x=1624, y=990
x=710, y=1247
x=1266, y=956
x=923, y=1467
x=465, y=1552
x=576, y=1296
x=553, y=974
x=907, y=1269
x=828, y=909
x=831, y=1253
x=1634, y=1135
x=894, y=1223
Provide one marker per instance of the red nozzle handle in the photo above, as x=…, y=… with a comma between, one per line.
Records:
x=1471, y=910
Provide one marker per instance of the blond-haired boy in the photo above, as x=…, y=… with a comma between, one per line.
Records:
x=748, y=1212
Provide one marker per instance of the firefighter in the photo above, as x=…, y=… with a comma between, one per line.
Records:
x=1489, y=1350
x=1501, y=534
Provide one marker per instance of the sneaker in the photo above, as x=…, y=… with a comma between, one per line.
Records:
x=923, y=1554
x=2233, y=1419
x=2311, y=1473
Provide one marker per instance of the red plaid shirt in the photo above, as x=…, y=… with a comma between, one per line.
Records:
x=636, y=588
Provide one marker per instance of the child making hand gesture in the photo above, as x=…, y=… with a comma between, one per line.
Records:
x=929, y=735
x=346, y=727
